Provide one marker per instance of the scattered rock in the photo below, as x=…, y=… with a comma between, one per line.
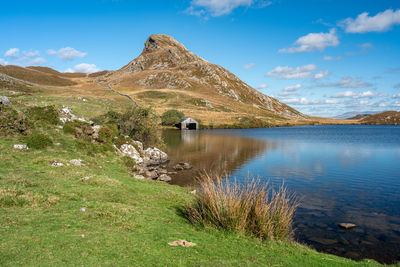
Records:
x=182, y=243
x=164, y=178
x=21, y=147
x=139, y=145
x=324, y=241
x=182, y=166
x=138, y=176
x=130, y=151
x=162, y=171
x=4, y=100
x=76, y=162
x=193, y=192
x=84, y=179
x=347, y=226
x=151, y=175
x=82, y=209
x=56, y=164
x=156, y=155
x=96, y=130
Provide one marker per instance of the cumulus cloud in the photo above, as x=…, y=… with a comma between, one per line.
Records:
x=356, y=95
x=285, y=72
x=249, y=66
x=262, y=86
x=30, y=54
x=290, y=90
x=381, y=22
x=221, y=7
x=84, y=67
x=37, y=61
x=321, y=74
x=329, y=58
x=312, y=42
x=306, y=101
x=67, y=53
x=12, y=52
x=346, y=82
x=3, y=62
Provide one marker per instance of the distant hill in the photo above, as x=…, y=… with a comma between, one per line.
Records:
x=36, y=76
x=384, y=118
x=354, y=115
x=169, y=75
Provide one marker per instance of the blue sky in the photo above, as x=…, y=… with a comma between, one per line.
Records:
x=323, y=57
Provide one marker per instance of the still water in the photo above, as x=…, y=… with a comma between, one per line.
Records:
x=339, y=173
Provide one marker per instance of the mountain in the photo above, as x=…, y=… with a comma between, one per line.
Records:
x=354, y=115
x=384, y=118
x=166, y=69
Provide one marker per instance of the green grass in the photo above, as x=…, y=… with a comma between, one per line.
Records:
x=127, y=222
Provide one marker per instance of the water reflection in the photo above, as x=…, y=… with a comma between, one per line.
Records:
x=340, y=173
x=211, y=153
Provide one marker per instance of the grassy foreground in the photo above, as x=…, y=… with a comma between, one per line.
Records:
x=127, y=222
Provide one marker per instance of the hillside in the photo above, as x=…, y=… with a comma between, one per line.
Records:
x=384, y=118
x=166, y=74
x=47, y=77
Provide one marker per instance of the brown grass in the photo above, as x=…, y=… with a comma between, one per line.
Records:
x=252, y=208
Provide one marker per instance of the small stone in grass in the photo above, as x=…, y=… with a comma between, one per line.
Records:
x=83, y=209
x=182, y=243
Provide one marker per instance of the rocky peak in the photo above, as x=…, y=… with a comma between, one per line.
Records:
x=160, y=41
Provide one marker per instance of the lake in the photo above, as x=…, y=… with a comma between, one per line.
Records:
x=340, y=173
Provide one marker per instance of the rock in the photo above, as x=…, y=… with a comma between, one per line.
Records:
x=193, y=192
x=139, y=145
x=182, y=166
x=56, y=164
x=156, y=154
x=96, y=130
x=84, y=179
x=138, y=176
x=76, y=162
x=130, y=151
x=82, y=209
x=162, y=171
x=165, y=178
x=347, y=226
x=182, y=243
x=4, y=100
x=151, y=175
x=21, y=147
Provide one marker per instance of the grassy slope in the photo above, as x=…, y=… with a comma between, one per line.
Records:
x=127, y=221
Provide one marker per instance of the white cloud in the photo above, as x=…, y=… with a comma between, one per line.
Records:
x=37, y=61
x=262, y=86
x=321, y=74
x=3, y=62
x=312, y=42
x=285, y=72
x=249, y=66
x=346, y=82
x=305, y=101
x=381, y=22
x=396, y=95
x=12, y=52
x=329, y=58
x=292, y=88
x=222, y=7
x=30, y=54
x=67, y=53
x=84, y=67
x=355, y=95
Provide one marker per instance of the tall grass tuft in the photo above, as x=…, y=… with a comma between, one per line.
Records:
x=252, y=208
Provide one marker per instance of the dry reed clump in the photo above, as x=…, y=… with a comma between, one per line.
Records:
x=252, y=208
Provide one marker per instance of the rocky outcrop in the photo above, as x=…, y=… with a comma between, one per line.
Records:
x=150, y=163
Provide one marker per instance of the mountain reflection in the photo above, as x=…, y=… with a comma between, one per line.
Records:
x=216, y=154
